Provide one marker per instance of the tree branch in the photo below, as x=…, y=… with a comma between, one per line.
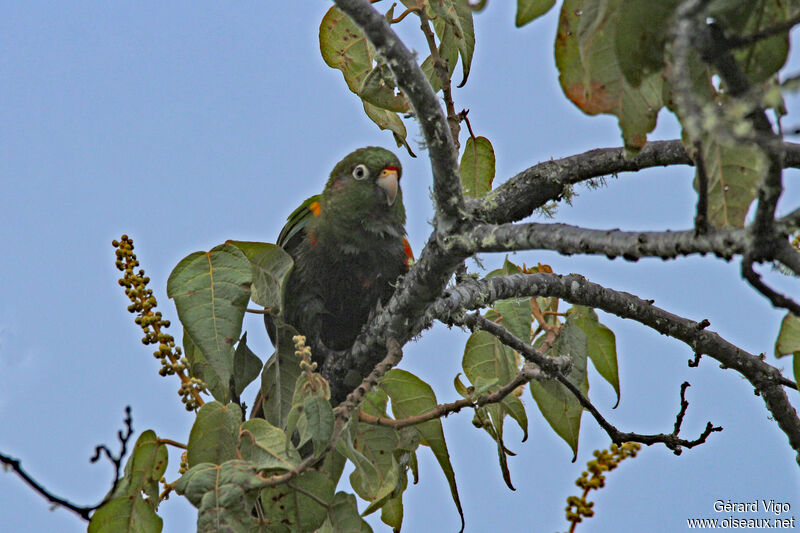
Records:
x=428, y=111
x=670, y=440
x=766, y=379
x=545, y=182
x=83, y=512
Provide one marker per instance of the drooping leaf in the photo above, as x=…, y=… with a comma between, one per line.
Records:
x=213, y=437
x=641, y=33
x=558, y=406
x=528, y=10
x=392, y=512
x=267, y=446
x=590, y=74
x=279, y=376
x=601, y=344
x=388, y=120
x=299, y=504
x=246, y=366
x=211, y=291
x=788, y=341
x=343, y=516
x=270, y=267
x=477, y=167
x=457, y=14
x=411, y=397
x=448, y=52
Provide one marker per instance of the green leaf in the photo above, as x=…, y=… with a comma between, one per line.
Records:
x=213, y=437
x=388, y=120
x=528, y=10
x=223, y=494
x=378, y=89
x=344, y=47
x=319, y=414
x=371, y=449
x=246, y=366
x=734, y=172
x=641, y=32
x=457, y=14
x=788, y=341
x=411, y=397
x=126, y=514
x=765, y=57
x=300, y=504
x=392, y=513
x=280, y=375
x=600, y=344
x=448, y=51
x=343, y=516
x=270, y=266
x=796, y=367
x=127, y=510
x=514, y=407
x=558, y=406
x=211, y=291
x=266, y=446
x=477, y=167
x=487, y=358
x=591, y=76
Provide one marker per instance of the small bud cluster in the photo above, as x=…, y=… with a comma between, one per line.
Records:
x=593, y=478
x=314, y=382
x=152, y=323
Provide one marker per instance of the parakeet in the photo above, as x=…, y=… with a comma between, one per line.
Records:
x=349, y=247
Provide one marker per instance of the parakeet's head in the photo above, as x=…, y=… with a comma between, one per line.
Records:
x=366, y=183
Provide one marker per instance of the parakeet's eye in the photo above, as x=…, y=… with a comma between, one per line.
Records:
x=360, y=172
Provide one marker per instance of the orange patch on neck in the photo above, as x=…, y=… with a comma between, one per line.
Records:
x=315, y=208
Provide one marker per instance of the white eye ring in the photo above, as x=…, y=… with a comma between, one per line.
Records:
x=360, y=172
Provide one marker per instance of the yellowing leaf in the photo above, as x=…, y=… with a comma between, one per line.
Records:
x=590, y=74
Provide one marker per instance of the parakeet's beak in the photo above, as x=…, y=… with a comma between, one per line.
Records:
x=388, y=182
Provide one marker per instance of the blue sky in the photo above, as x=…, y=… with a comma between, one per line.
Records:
x=184, y=124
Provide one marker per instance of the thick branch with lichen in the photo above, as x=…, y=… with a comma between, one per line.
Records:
x=766, y=379
x=427, y=109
